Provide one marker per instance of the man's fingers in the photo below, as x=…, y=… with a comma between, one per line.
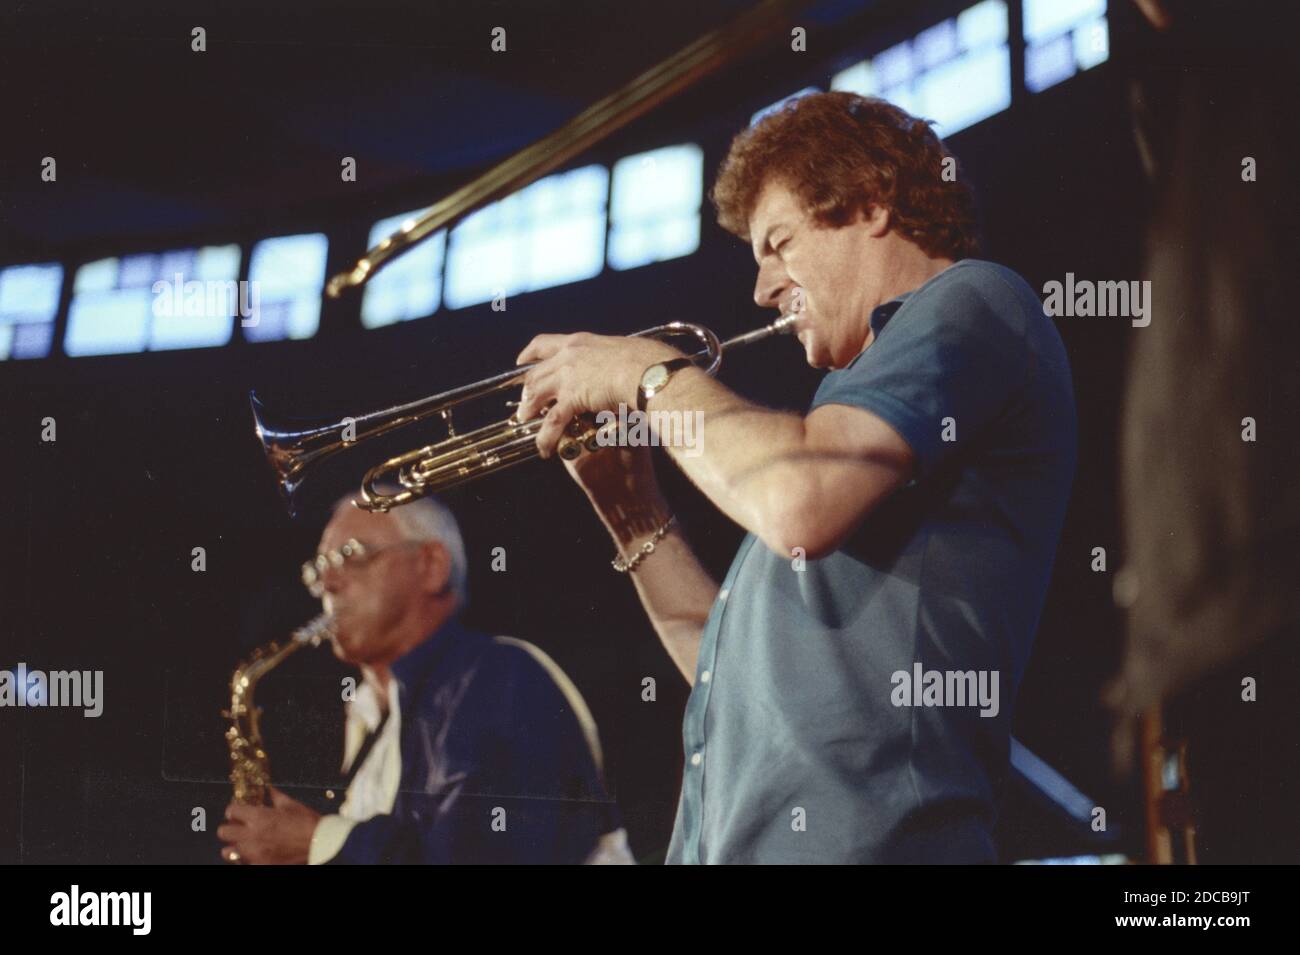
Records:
x=540, y=348
x=279, y=800
x=244, y=814
x=553, y=425
x=230, y=832
x=538, y=393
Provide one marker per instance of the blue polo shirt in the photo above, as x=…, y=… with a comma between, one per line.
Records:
x=857, y=708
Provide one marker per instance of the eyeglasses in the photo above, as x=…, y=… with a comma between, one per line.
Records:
x=353, y=553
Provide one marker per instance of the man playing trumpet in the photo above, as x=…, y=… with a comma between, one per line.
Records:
x=900, y=534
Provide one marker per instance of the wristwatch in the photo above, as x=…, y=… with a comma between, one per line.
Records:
x=654, y=378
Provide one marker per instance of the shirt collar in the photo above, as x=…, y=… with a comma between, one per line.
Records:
x=365, y=705
x=881, y=314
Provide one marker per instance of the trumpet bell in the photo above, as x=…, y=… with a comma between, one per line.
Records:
x=291, y=453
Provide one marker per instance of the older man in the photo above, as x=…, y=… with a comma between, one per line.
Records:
x=853, y=677
x=463, y=748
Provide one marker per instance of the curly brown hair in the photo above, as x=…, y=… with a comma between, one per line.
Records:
x=841, y=154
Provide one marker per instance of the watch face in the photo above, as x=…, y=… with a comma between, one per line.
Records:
x=656, y=376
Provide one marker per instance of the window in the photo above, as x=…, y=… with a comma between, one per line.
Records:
x=286, y=275
x=957, y=72
x=185, y=298
x=655, y=206
x=409, y=286
x=29, y=301
x=548, y=234
x=1063, y=37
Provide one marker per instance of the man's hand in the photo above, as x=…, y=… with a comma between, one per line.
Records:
x=276, y=835
x=580, y=373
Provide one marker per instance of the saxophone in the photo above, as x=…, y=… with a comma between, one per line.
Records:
x=250, y=772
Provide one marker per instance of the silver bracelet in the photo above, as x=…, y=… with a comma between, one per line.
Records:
x=648, y=548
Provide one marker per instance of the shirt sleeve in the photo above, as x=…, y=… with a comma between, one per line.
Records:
x=948, y=363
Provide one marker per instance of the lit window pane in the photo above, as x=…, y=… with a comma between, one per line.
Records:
x=1092, y=44
x=29, y=301
x=483, y=262
x=551, y=233
x=1047, y=64
x=664, y=181
x=1063, y=37
x=96, y=276
x=196, y=298
x=967, y=90
x=410, y=286
x=1045, y=19
x=286, y=275
x=894, y=66
x=654, y=242
x=216, y=262
x=184, y=298
x=858, y=78
x=984, y=24
x=655, y=206
x=567, y=250
x=956, y=72
x=936, y=45
x=108, y=322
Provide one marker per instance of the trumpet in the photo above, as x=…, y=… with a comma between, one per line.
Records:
x=457, y=458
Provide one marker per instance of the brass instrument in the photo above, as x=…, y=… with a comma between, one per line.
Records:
x=250, y=772
x=458, y=458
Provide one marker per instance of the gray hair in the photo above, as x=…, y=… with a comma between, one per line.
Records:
x=428, y=519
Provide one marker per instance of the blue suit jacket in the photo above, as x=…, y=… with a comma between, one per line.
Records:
x=496, y=766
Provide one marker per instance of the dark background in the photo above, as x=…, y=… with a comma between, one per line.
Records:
x=159, y=147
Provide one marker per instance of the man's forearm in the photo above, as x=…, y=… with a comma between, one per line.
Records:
x=749, y=460
x=675, y=589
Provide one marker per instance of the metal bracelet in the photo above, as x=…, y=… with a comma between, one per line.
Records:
x=646, y=550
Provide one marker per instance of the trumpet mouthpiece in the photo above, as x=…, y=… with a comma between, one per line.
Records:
x=785, y=324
